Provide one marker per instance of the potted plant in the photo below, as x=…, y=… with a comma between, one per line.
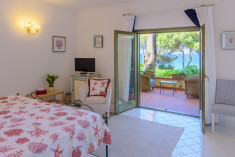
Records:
x=51, y=80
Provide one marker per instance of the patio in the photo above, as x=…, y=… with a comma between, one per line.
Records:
x=179, y=102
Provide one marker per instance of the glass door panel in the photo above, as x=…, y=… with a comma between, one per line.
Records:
x=126, y=68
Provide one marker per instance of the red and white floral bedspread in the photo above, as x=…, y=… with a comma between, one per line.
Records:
x=32, y=128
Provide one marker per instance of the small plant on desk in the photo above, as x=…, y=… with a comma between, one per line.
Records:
x=51, y=80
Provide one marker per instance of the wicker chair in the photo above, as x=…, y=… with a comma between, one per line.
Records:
x=192, y=86
x=147, y=81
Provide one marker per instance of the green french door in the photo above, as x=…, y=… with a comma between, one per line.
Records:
x=202, y=78
x=126, y=71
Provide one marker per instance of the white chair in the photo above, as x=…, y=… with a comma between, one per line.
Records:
x=224, y=100
x=99, y=104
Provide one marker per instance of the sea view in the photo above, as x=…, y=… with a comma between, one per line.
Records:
x=178, y=62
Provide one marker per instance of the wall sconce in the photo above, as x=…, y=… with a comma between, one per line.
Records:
x=32, y=29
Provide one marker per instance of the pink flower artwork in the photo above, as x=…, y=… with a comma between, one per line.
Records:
x=59, y=43
x=231, y=40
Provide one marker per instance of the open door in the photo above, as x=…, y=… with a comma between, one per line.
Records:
x=126, y=71
x=203, y=76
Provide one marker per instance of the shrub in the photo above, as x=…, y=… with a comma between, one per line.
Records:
x=191, y=70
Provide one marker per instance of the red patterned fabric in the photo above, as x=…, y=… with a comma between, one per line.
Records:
x=35, y=128
x=98, y=87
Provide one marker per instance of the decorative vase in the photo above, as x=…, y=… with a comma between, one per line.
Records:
x=50, y=89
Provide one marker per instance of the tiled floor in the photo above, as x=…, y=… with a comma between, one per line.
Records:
x=189, y=144
x=166, y=100
x=192, y=142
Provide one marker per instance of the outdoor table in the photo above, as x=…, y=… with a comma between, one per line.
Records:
x=168, y=82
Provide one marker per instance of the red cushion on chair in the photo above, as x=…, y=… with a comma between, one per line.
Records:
x=98, y=87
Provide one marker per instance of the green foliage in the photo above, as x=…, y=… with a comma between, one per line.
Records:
x=169, y=43
x=51, y=79
x=166, y=67
x=179, y=42
x=165, y=73
x=141, y=67
x=191, y=70
x=149, y=70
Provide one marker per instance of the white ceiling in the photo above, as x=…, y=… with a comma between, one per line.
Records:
x=87, y=4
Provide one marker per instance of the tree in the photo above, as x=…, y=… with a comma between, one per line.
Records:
x=150, y=54
x=180, y=42
x=162, y=58
x=166, y=44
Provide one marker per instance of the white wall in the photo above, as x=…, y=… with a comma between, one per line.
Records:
x=24, y=61
x=150, y=15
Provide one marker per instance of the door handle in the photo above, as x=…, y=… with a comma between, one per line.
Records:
x=207, y=78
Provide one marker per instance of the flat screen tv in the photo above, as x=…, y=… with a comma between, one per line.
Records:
x=85, y=64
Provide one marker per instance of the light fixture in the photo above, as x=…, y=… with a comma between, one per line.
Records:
x=31, y=29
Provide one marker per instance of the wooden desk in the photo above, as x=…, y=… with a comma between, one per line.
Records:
x=51, y=94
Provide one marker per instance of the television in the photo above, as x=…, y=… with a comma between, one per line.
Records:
x=85, y=65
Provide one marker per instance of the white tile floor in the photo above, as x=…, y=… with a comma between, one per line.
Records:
x=192, y=142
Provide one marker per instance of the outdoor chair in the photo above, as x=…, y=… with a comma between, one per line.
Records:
x=192, y=86
x=147, y=81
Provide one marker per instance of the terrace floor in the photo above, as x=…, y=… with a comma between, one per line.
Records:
x=179, y=102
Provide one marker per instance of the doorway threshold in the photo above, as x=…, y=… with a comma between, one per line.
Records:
x=169, y=111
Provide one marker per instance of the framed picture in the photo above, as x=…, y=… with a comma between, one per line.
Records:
x=228, y=40
x=98, y=41
x=58, y=44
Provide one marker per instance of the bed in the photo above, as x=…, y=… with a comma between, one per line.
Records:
x=30, y=127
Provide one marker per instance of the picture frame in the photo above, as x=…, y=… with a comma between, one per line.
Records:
x=98, y=41
x=228, y=40
x=58, y=44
